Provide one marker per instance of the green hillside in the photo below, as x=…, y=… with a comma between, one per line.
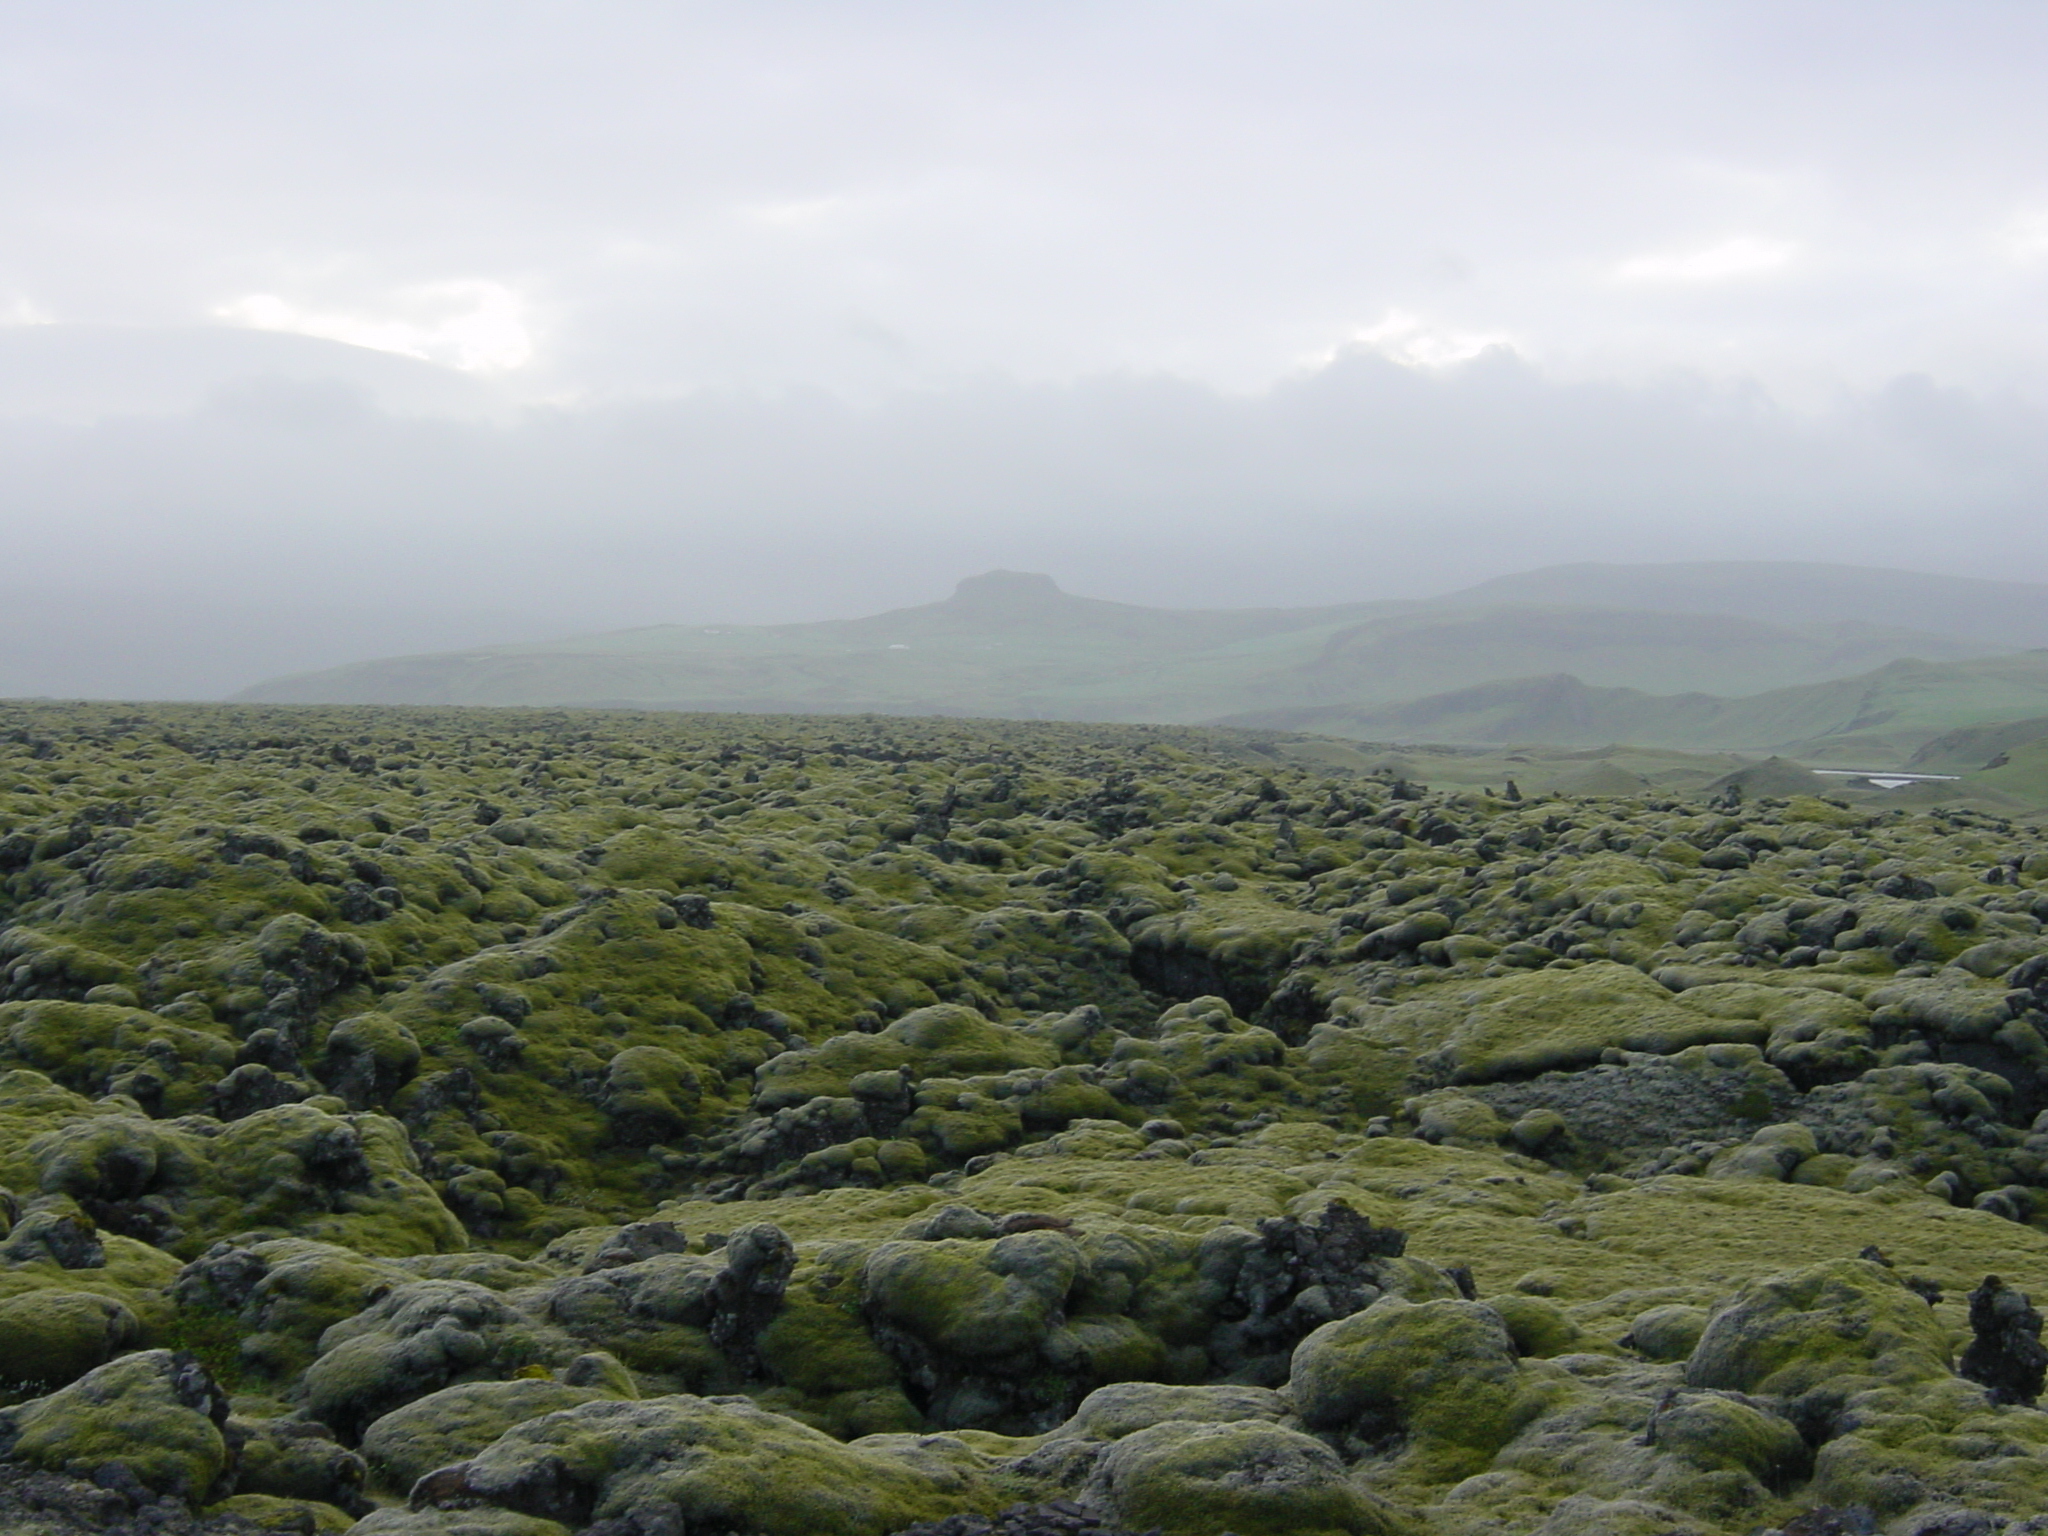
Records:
x=2021, y=773
x=1873, y=720
x=1012, y=644
x=1403, y=656
x=1005, y=643
x=1977, y=747
x=2003, y=615
x=1559, y=708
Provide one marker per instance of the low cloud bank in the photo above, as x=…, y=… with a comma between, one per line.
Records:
x=287, y=523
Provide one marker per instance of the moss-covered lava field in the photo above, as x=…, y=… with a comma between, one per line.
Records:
x=512, y=1123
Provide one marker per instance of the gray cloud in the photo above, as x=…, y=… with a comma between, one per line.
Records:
x=290, y=523
x=722, y=195
x=791, y=308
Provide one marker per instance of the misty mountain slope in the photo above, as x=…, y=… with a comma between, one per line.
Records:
x=1559, y=709
x=1977, y=748
x=2006, y=615
x=1882, y=715
x=1889, y=713
x=1005, y=643
x=1430, y=650
x=998, y=609
x=1013, y=644
x=2020, y=772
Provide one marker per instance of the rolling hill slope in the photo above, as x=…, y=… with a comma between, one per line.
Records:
x=1005, y=643
x=2000, y=615
x=1877, y=718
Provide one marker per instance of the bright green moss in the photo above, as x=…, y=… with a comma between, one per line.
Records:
x=1547, y=1021
x=1188, y=1479
x=1441, y=1372
x=140, y=1411
x=819, y=1343
x=1846, y=1318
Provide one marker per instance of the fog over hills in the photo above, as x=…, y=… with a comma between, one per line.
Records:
x=1999, y=613
x=1798, y=666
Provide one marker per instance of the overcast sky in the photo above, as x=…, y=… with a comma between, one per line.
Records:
x=773, y=311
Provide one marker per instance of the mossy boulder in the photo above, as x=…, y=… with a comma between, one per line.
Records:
x=1639, y=1452
x=58, y=1236
x=455, y=1522
x=1249, y=1476
x=1722, y=1433
x=1774, y=1152
x=1915, y=1459
x=952, y=1041
x=969, y=1299
x=1540, y=1327
x=456, y=1422
x=166, y=1066
x=297, y=1460
x=156, y=1413
x=1452, y=1119
x=717, y=1464
x=1950, y=1005
x=279, y=1295
x=651, y=1314
x=1814, y=1034
x=369, y=1058
x=418, y=1339
x=287, y=1517
x=1847, y=1318
x=942, y=1041
x=1442, y=1373
x=1667, y=1333
x=350, y=1179
x=690, y=1318
x=49, y=1338
x=650, y=1094
x=981, y=1327
x=1520, y=1025
x=294, y=1169
x=819, y=1344
x=1110, y=1413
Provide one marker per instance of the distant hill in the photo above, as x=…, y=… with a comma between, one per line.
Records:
x=2001, y=615
x=1557, y=709
x=1977, y=747
x=1874, y=719
x=1435, y=648
x=1013, y=644
x=1005, y=643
